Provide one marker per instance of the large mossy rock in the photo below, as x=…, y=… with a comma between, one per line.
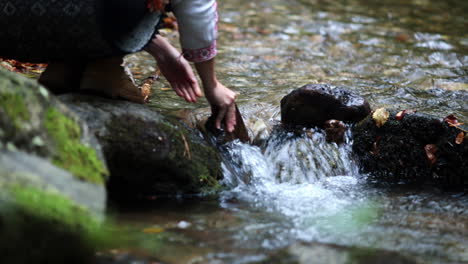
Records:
x=408, y=147
x=146, y=153
x=52, y=196
x=313, y=104
x=46, y=214
x=33, y=121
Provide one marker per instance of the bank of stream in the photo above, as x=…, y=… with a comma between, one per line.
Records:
x=397, y=54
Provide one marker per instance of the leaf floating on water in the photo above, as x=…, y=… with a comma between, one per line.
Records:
x=380, y=116
x=402, y=114
x=431, y=150
x=153, y=230
x=460, y=137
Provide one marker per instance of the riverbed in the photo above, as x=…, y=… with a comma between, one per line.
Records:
x=397, y=54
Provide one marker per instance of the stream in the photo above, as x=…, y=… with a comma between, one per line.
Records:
x=398, y=54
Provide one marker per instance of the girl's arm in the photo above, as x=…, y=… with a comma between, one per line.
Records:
x=221, y=98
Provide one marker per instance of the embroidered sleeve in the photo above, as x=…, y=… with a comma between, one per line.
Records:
x=197, y=20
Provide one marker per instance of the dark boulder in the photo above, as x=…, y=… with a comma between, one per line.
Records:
x=147, y=153
x=313, y=104
x=412, y=147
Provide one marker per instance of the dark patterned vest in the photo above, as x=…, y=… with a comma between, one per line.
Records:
x=45, y=30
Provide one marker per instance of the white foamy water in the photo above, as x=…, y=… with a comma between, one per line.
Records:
x=313, y=184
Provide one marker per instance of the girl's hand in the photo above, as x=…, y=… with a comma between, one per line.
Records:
x=175, y=69
x=221, y=98
x=222, y=101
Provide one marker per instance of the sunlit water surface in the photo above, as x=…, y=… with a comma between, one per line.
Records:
x=398, y=54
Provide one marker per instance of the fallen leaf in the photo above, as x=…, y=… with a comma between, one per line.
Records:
x=402, y=114
x=153, y=230
x=431, y=150
x=460, y=137
x=375, y=146
x=145, y=88
x=380, y=116
x=187, y=148
x=452, y=120
x=22, y=67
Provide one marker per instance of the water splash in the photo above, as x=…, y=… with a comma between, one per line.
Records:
x=315, y=185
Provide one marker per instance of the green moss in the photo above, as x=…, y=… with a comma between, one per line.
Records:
x=61, y=212
x=71, y=154
x=15, y=108
x=204, y=179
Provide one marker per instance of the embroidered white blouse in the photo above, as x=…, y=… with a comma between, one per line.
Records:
x=197, y=20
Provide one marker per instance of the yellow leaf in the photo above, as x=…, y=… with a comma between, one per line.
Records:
x=153, y=230
x=380, y=116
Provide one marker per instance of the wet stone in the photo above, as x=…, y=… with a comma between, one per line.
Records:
x=413, y=148
x=313, y=104
x=302, y=253
x=147, y=153
x=222, y=136
x=335, y=131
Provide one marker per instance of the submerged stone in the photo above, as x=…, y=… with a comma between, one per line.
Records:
x=320, y=253
x=412, y=148
x=313, y=104
x=148, y=154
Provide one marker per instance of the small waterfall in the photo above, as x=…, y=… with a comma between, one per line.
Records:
x=288, y=158
x=308, y=158
x=312, y=183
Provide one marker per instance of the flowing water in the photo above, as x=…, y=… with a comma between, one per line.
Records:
x=398, y=54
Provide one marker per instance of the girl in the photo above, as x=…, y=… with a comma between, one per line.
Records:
x=84, y=42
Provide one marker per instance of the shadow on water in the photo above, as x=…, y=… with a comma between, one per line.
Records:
x=398, y=54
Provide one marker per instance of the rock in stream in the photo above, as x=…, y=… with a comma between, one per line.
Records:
x=404, y=146
x=313, y=104
x=148, y=154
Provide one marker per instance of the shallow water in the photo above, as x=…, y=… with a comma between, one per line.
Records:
x=398, y=54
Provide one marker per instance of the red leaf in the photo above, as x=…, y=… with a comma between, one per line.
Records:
x=431, y=150
x=451, y=120
x=402, y=114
